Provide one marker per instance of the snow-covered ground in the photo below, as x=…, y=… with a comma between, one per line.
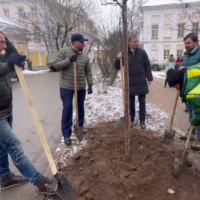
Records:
x=27, y=72
x=160, y=74
x=106, y=104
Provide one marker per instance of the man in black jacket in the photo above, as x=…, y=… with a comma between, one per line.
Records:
x=9, y=143
x=140, y=77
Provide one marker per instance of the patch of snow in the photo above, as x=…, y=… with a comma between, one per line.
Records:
x=28, y=72
x=66, y=152
x=160, y=75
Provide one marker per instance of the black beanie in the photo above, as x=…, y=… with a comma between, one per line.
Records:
x=174, y=77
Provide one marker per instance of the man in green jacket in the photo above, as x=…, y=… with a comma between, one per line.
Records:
x=190, y=58
x=188, y=82
x=64, y=63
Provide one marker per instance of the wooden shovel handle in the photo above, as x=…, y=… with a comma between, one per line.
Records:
x=36, y=119
x=173, y=111
x=188, y=137
x=75, y=90
x=122, y=79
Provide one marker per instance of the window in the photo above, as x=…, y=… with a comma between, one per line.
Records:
x=179, y=53
x=21, y=12
x=6, y=13
x=195, y=28
x=33, y=12
x=181, y=30
x=154, y=31
x=166, y=54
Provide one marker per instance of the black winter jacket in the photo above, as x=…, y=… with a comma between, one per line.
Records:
x=139, y=71
x=5, y=83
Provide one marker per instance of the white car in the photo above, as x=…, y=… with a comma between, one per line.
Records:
x=156, y=66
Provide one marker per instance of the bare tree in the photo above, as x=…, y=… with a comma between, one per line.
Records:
x=57, y=18
x=191, y=12
x=135, y=17
x=111, y=32
x=123, y=6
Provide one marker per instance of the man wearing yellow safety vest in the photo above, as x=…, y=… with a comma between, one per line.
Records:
x=188, y=82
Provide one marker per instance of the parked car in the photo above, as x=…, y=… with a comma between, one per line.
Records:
x=50, y=60
x=156, y=66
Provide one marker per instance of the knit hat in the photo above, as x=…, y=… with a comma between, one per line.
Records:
x=175, y=77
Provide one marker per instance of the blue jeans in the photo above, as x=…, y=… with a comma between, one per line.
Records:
x=191, y=114
x=10, y=144
x=67, y=113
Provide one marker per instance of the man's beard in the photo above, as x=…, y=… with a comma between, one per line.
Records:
x=80, y=48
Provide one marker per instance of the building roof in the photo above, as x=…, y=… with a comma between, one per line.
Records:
x=150, y=3
x=7, y=21
x=12, y=29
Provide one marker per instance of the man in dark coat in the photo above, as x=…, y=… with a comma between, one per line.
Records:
x=140, y=77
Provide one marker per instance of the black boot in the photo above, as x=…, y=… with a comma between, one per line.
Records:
x=142, y=124
x=12, y=180
x=68, y=142
x=46, y=186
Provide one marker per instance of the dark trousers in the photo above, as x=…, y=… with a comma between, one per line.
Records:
x=67, y=113
x=165, y=82
x=30, y=67
x=142, y=107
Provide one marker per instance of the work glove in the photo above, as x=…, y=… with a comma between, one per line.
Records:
x=73, y=58
x=90, y=90
x=15, y=59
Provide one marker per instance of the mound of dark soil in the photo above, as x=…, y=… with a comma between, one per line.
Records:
x=102, y=172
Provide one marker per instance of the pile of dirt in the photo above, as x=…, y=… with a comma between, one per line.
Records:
x=102, y=172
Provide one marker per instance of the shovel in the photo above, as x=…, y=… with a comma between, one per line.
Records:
x=170, y=133
x=180, y=160
x=123, y=96
x=79, y=132
x=64, y=189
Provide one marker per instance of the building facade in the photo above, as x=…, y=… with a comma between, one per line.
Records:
x=15, y=33
x=16, y=11
x=164, y=27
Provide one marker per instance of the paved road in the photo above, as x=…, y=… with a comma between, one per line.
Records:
x=164, y=98
x=44, y=89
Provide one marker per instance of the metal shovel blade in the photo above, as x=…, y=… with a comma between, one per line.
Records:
x=64, y=189
x=79, y=132
x=180, y=160
x=169, y=136
x=122, y=121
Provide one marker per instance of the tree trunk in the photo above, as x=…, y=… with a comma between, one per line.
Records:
x=113, y=76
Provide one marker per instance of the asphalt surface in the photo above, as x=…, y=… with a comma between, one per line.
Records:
x=44, y=89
